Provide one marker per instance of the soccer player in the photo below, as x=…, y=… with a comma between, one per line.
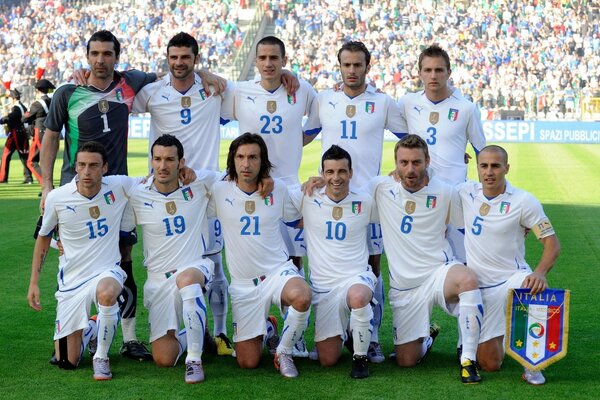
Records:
x=263, y=106
x=179, y=105
x=335, y=226
x=88, y=212
x=17, y=138
x=173, y=218
x=446, y=121
x=261, y=273
x=497, y=217
x=413, y=210
x=355, y=119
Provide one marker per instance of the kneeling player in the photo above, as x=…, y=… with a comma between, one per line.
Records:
x=335, y=226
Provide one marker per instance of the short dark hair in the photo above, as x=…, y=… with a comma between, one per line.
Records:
x=93, y=147
x=435, y=51
x=354, y=46
x=411, y=142
x=105, y=36
x=335, y=152
x=249, y=138
x=183, y=39
x=167, y=140
x=272, y=40
x=495, y=149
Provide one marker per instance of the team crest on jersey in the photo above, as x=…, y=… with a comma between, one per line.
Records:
x=350, y=110
x=119, y=94
x=292, y=99
x=109, y=197
x=370, y=107
x=504, y=207
x=202, y=94
x=410, y=207
x=271, y=106
x=337, y=213
x=171, y=207
x=269, y=200
x=484, y=209
x=431, y=201
x=94, y=212
x=103, y=106
x=356, y=207
x=250, y=206
x=186, y=102
x=187, y=194
x=57, y=326
x=453, y=114
x=434, y=117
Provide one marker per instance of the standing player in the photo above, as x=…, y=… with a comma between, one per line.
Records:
x=98, y=111
x=263, y=106
x=173, y=218
x=16, y=138
x=446, y=121
x=496, y=218
x=88, y=212
x=180, y=106
x=261, y=273
x=355, y=119
x=413, y=210
x=335, y=225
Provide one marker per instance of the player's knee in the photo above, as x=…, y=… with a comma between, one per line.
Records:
x=407, y=360
x=327, y=360
x=490, y=364
x=248, y=362
x=467, y=281
x=164, y=360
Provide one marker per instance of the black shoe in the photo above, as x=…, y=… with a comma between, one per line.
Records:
x=27, y=182
x=360, y=367
x=469, y=373
x=210, y=346
x=349, y=343
x=135, y=350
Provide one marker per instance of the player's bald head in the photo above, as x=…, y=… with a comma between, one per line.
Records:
x=492, y=148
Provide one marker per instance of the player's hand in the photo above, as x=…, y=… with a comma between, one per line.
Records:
x=290, y=82
x=187, y=175
x=314, y=182
x=338, y=86
x=45, y=191
x=60, y=248
x=33, y=297
x=467, y=158
x=210, y=80
x=79, y=77
x=265, y=186
x=536, y=282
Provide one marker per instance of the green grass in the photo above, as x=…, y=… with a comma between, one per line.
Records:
x=563, y=177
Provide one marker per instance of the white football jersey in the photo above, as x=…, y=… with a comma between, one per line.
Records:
x=174, y=226
x=446, y=127
x=277, y=117
x=357, y=125
x=88, y=228
x=250, y=225
x=414, y=229
x=495, y=230
x=193, y=117
x=335, y=235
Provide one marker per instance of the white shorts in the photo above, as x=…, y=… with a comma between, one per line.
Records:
x=294, y=240
x=215, y=237
x=73, y=307
x=251, y=300
x=374, y=239
x=412, y=307
x=332, y=314
x=163, y=301
x=494, y=306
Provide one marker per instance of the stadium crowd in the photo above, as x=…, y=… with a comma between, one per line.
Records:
x=539, y=56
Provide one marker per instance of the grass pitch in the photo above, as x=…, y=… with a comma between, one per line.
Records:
x=564, y=177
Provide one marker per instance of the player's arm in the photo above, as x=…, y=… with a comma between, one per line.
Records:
x=48, y=153
x=475, y=134
x=209, y=79
x=312, y=127
x=40, y=251
x=536, y=281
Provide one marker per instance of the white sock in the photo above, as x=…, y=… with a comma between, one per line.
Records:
x=182, y=340
x=361, y=325
x=89, y=334
x=427, y=342
x=470, y=316
x=108, y=319
x=217, y=296
x=379, y=297
x=294, y=325
x=128, y=328
x=194, y=319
